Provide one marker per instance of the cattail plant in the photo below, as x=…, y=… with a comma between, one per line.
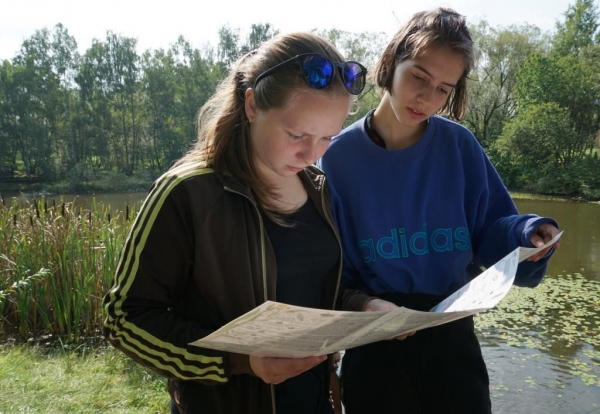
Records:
x=56, y=262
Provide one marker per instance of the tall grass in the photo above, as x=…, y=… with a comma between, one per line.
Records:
x=56, y=262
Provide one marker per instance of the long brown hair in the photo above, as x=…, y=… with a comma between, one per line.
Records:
x=441, y=27
x=223, y=127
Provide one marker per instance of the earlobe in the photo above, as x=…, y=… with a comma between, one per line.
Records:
x=250, y=104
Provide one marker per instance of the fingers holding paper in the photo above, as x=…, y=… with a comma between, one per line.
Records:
x=541, y=236
x=376, y=305
x=277, y=370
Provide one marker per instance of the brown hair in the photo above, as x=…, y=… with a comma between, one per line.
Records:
x=223, y=126
x=441, y=27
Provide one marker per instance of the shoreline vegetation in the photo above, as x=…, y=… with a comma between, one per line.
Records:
x=121, y=184
x=56, y=259
x=105, y=183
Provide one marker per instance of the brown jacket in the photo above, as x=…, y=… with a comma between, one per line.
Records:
x=197, y=257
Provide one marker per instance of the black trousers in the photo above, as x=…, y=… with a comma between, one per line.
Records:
x=437, y=370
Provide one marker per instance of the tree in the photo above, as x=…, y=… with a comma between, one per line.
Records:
x=540, y=134
x=197, y=75
x=365, y=47
x=160, y=94
x=579, y=30
x=228, y=50
x=123, y=85
x=572, y=83
x=492, y=83
x=539, y=142
x=259, y=33
x=71, y=148
x=8, y=152
x=94, y=120
x=558, y=110
x=31, y=102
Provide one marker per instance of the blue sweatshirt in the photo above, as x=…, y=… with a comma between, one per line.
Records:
x=416, y=220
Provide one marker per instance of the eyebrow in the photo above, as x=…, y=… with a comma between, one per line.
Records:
x=429, y=74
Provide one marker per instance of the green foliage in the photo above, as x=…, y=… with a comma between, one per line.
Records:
x=579, y=178
x=57, y=261
x=540, y=134
x=546, y=144
x=68, y=116
x=29, y=106
x=579, y=30
x=538, y=152
x=74, y=120
x=230, y=47
x=493, y=82
x=258, y=34
x=84, y=180
x=365, y=48
x=571, y=82
x=8, y=149
x=196, y=75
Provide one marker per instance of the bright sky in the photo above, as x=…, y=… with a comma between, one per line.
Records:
x=157, y=24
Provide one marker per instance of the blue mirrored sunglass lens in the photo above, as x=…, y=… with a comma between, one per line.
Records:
x=318, y=71
x=354, y=78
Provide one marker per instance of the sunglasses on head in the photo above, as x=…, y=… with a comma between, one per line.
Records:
x=318, y=72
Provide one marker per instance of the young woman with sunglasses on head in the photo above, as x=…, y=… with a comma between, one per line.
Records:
x=242, y=218
x=420, y=210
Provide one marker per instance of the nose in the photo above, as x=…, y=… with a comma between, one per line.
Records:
x=425, y=94
x=309, y=153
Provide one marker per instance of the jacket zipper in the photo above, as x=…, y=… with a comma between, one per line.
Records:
x=264, y=268
x=337, y=237
x=329, y=220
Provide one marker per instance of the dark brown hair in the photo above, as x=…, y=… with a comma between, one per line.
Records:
x=427, y=30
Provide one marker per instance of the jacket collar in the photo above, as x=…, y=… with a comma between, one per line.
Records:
x=235, y=185
x=312, y=178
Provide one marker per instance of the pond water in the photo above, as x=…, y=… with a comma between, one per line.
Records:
x=542, y=345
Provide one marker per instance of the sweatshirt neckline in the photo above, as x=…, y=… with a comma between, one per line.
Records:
x=403, y=154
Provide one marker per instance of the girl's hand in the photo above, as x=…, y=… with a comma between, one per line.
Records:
x=541, y=236
x=375, y=305
x=277, y=370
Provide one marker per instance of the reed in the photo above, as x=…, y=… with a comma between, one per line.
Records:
x=56, y=263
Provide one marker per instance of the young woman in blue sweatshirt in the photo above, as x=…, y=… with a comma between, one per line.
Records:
x=421, y=209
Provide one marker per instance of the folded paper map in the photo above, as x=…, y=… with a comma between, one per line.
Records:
x=278, y=330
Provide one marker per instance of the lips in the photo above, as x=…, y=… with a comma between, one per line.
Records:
x=416, y=115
